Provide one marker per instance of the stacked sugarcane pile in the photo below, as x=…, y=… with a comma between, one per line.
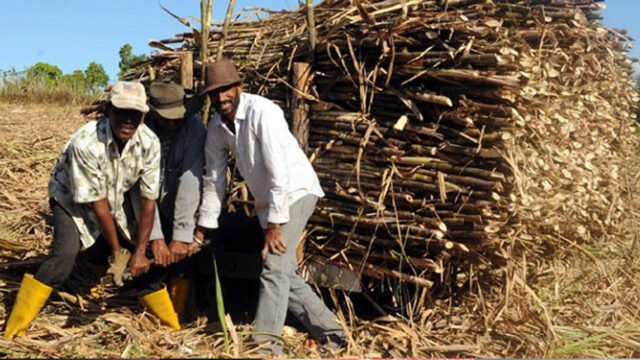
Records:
x=409, y=143
x=572, y=144
x=448, y=134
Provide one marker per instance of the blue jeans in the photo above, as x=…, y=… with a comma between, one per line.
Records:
x=281, y=287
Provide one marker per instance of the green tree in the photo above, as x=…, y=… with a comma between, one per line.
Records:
x=96, y=77
x=76, y=82
x=44, y=74
x=127, y=58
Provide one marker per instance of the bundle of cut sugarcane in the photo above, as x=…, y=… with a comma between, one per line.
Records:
x=427, y=103
x=447, y=134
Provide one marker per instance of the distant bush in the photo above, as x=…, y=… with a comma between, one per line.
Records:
x=95, y=76
x=45, y=74
x=128, y=59
x=43, y=82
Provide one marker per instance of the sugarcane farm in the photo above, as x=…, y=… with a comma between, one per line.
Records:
x=479, y=162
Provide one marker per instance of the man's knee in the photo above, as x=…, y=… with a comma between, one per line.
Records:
x=277, y=265
x=64, y=254
x=67, y=253
x=56, y=268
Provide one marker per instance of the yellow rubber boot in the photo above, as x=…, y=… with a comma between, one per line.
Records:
x=31, y=297
x=159, y=303
x=179, y=289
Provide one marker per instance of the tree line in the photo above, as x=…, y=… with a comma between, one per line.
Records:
x=48, y=81
x=42, y=75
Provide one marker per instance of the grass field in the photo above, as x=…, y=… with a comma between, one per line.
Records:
x=587, y=296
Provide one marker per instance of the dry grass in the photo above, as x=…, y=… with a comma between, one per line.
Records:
x=31, y=139
x=28, y=91
x=587, y=295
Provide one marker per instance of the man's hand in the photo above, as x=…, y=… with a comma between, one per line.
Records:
x=273, y=241
x=198, y=240
x=179, y=250
x=139, y=264
x=199, y=233
x=193, y=248
x=118, y=264
x=161, y=254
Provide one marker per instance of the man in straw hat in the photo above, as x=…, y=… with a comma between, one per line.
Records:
x=102, y=191
x=172, y=117
x=285, y=189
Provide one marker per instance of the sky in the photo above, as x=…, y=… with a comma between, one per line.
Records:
x=72, y=33
x=625, y=14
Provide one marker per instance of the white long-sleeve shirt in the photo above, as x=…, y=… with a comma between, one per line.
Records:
x=267, y=156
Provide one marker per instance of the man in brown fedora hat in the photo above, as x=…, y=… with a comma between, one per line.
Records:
x=285, y=189
x=172, y=117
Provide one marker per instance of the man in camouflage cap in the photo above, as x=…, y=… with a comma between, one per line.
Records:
x=103, y=190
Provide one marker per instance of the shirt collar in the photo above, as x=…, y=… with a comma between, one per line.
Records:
x=104, y=128
x=241, y=113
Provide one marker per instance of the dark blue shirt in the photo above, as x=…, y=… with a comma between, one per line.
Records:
x=181, y=182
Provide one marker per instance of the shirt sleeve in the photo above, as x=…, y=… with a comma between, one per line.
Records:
x=189, y=187
x=88, y=182
x=214, y=181
x=150, y=173
x=273, y=132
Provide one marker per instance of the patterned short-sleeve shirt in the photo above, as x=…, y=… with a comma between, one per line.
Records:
x=91, y=168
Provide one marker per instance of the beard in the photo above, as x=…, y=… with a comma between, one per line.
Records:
x=227, y=108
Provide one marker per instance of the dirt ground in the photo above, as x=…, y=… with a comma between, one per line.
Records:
x=583, y=302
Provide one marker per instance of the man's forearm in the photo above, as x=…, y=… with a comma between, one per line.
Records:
x=148, y=207
x=107, y=224
x=214, y=182
x=186, y=205
x=209, y=211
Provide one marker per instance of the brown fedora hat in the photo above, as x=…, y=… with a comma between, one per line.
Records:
x=220, y=74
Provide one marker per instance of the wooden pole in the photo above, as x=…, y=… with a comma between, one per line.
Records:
x=311, y=23
x=300, y=111
x=186, y=70
x=205, y=16
x=225, y=29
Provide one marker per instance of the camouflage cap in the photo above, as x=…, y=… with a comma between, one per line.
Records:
x=128, y=95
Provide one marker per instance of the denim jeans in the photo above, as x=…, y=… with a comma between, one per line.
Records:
x=66, y=245
x=282, y=288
